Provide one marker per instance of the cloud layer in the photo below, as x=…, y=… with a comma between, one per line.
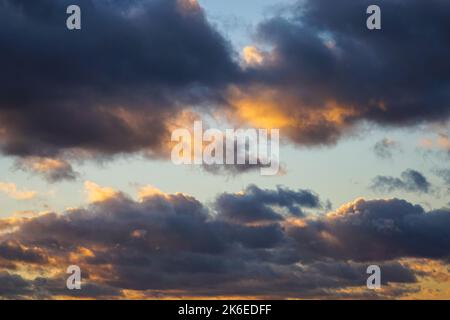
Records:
x=173, y=245
x=118, y=85
x=135, y=72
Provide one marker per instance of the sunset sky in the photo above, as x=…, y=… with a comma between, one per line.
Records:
x=86, y=177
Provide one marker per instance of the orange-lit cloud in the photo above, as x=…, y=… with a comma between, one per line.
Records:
x=252, y=56
x=149, y=191
x=52, y=169
x=98, y=194
x=188, y=6
x=264, y=107
x=12, y=191
x=441, y=142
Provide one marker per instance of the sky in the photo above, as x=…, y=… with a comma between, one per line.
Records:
x=86, y=176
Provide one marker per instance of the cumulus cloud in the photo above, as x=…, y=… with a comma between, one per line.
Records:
x=326, y=72
x=173, y=245
x=120, y=85
x=410, y=181
x=258, y=205
x=97, y=193
x=378, y=230
x=113, y=86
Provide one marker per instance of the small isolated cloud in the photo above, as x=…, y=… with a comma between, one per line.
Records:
x=384, y=148
x=53, y=170
x=410, y=181
x=12, y=191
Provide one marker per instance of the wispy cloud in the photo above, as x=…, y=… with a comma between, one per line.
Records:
x=11, y=190
x=384, y=148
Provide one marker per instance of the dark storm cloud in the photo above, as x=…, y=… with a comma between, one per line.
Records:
x=110, y=87
x=392, y=271
x=410, y=181
x=256, y=204
x=116, y=85
x=113, y=86
x=330, y=72
x=56, y=286
x=16, y=287
x=157, y=222
x=173, y=242
x=10, y=250
x=160, y=243
x=13, y=286
x=378, y=230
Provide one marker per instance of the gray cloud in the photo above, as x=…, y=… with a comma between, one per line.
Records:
x=378, y=230
x=13, y=286
x=12, y=251
x=256, y=204
x=111, y=87
x=174, y=242
x=410, y=181
x=329, y=72
x=52, y=170
x=16, y=287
